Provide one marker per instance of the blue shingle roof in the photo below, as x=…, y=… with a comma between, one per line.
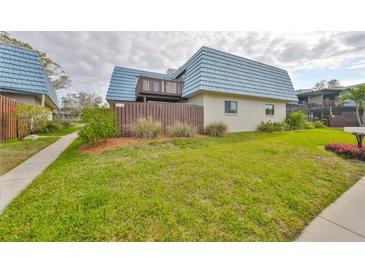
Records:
x=22, y=71
x=216, y=71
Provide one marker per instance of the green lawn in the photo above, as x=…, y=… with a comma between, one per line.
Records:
x=14, y=152
x=62, y=131
x=243, y=187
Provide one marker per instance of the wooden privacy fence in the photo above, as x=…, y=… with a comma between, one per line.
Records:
x=8, y=122
x=8, y=126
x=347, y=119
x=167, y=113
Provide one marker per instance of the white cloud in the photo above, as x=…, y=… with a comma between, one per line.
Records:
x=89, y=57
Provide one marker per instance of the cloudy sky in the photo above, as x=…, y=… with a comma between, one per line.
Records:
x=89, y=57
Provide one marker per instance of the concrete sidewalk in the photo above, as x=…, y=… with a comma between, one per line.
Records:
x=342, y=221
x=13, y=182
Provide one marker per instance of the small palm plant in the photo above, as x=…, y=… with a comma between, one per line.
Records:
x=356, y=95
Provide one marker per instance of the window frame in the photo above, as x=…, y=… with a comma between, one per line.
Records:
x=225, y=107
x=273, y=110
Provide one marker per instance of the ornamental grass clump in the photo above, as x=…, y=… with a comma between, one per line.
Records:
x=146, y=128
x=216, y=129
x=181, y=130
x=347, y=151
x=296, y=120
x=308, y=125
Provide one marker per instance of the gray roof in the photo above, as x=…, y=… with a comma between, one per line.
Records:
x=214, y=71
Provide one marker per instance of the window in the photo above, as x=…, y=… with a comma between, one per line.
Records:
x=269, y=110
x=230, y=107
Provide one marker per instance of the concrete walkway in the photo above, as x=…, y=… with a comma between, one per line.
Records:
x=342, y=221
x=16, y=180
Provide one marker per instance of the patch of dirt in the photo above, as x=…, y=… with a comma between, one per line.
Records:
x=126, y=141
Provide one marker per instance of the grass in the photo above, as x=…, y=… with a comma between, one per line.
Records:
x=242, y=187
x=62, y=131
x=14, y=152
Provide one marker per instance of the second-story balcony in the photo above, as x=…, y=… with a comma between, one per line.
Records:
x=324, y=103
x=155, y=88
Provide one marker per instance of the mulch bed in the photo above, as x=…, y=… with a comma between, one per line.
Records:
x=126, y=141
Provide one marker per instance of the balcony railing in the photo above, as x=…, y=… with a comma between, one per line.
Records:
x=147, y=86
x=324, y=103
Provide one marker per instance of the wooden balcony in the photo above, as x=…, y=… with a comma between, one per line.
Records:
x=154, y=88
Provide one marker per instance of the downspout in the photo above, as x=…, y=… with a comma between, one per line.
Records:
x=43, y=100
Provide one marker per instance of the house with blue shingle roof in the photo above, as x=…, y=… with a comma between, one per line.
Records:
x=23, y=78
x=237, y=91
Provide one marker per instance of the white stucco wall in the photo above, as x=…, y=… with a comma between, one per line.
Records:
x=251, y=111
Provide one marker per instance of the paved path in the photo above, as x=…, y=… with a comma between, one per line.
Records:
x=342, y=221
x=13, y=182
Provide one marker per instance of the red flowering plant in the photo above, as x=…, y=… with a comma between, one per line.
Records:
x=347, y=151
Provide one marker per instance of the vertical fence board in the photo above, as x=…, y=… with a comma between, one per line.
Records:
x=345, y=120
x=166, y=113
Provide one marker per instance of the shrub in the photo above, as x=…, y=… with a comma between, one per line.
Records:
x=53, y=126
x=271, y=127
x=318, y=124
x=32, y=118
x=347, y=151
x=308, y=125
x=146, y=128
x=65, y=124
x=100, y=125
x=296, y=120
x=181, y=130
x=50, y=127
x=216, y=129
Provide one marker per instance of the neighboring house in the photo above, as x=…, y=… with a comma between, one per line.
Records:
x=323, y=103
x=237, y=91
x=22, y=77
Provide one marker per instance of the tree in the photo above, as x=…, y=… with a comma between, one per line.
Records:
x=356, y=95
x=56, y=74
x=76, y=102
x=334, y=83
x=320, y=85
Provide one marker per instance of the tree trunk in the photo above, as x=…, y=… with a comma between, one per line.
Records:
x=358, y=115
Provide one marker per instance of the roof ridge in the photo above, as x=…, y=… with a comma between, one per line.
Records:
x=140, y=70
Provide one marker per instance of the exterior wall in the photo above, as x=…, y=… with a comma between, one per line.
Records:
x=23, y=98
x=250, y=113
